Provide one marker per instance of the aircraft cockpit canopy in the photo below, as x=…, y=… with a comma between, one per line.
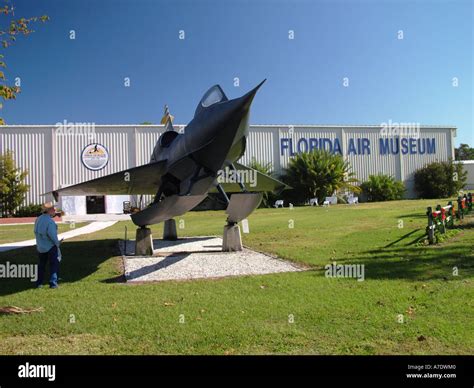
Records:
x=214, y=95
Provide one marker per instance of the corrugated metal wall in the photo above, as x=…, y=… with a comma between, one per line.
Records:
x=31, y=149
x=469, y=167
x=364, y=165
x=260, y=145
x=401, y=166
x=67, y=165
x=295, y=133
x=53, y=157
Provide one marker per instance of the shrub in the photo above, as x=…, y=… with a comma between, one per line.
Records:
x=28, y=211
x=440, y=179
x=382, y=188
x=317, y=174
x=13, y=188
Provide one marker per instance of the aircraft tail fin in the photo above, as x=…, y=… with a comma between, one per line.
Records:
x=167, y=119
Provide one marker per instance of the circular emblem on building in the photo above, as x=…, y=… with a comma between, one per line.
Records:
x=95, y=156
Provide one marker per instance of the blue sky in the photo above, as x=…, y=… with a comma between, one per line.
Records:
x=403, y=80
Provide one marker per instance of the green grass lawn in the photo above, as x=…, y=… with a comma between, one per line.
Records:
x=93, y=312
x=15, y=233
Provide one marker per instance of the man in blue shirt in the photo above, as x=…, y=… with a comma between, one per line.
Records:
x=47, y=244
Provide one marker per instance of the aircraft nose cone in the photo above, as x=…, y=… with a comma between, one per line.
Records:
x=218, y=118
x=246, y=99
x=233, y=110
x=221, y=130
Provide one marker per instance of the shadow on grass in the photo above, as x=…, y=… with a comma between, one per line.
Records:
x=418, y=263
x=414, y=216
x=405, y=237
x=166, y=262
x=466, y=226
x=80, y=260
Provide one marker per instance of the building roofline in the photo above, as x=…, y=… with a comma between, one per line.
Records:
x=351, y=126
x=354, y=126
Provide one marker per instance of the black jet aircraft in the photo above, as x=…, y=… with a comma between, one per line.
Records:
x=185, y=167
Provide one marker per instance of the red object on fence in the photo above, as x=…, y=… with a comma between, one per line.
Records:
x=443, y=214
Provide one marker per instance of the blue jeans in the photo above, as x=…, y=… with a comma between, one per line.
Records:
x=52, y=257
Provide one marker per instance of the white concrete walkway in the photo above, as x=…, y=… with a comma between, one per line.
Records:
x=96, y=217
x=91, y=228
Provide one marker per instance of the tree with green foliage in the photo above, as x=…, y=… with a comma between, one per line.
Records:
x=464, y=152
x=13, y=188
x=317, y=174
x=264, y=168
x=14, y=27
x=269, y=197
x=382, y=188
x=32, y=210
x=440, y=179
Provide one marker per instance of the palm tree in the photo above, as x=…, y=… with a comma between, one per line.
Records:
x=318, y=174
